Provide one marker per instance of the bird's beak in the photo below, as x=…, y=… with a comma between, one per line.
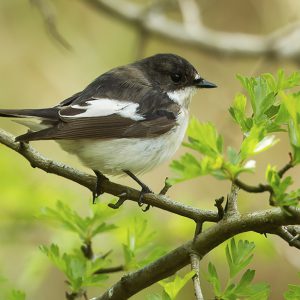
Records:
x=203, y=84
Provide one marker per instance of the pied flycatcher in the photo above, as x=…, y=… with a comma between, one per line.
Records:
x=130, y=119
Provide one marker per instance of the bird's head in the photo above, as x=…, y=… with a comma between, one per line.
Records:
x=174, y=75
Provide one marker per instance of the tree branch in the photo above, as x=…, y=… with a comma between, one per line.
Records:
x=263, y=222
x=261, y=188
x=284, y=233
x=280, y=43
x=160, y=201
x=231, y=208
x=195, y=264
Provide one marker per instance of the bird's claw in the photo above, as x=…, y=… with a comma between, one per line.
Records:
x=98, y=188
x=145, y=190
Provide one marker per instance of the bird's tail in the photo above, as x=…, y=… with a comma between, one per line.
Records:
x=35, y=119
x=43, y=113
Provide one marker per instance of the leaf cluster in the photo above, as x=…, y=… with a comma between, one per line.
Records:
x=238, y=256
x=171, y=288
x=270, y=105
x=139, y=249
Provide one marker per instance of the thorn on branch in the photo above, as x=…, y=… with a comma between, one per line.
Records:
x=219, y=206
x=105, y=255
x=166, y=187
x=122, y=199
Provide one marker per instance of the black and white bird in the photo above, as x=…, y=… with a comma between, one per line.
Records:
x=130, y=119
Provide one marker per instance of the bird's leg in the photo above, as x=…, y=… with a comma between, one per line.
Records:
x=98, y=191
x=145, y=188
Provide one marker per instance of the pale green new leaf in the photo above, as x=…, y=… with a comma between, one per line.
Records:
x=238, y=112
x=213, y=278
x=172, y=288
x=204, y=138
x=238, y=255
x=293, y=292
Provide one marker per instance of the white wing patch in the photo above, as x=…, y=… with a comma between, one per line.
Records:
x=105, y=107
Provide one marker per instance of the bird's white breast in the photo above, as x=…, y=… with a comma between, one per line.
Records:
x=135, y=154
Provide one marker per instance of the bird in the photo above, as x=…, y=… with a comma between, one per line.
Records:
x=127, y=121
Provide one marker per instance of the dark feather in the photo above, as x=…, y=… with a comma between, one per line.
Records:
x=108, y=127
x=43, y=113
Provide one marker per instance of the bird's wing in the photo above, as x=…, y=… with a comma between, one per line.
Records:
x=104, y=118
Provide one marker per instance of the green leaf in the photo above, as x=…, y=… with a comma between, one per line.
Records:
x=77, y=268
x=238, y=256
x=187, y=167
x=211, y=145
x=293, y=292
x=291, y=108
x=256, y=141
x=213, y=278
x=164, y=296
x=139, y=248
x=85, y=227
x=238, y=112
x=172, y=288
x=280, y=194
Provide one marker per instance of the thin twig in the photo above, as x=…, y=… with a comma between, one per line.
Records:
x=284, y=233
x=47, y=11
x=110, y=270
x=288, y=166
x=195, y=265
x=261, y=188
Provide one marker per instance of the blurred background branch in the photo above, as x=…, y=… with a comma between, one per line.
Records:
x=282, y=42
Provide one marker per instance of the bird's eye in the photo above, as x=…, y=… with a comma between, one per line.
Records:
x=176, y=77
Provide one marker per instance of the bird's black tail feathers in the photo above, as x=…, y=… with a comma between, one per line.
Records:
x=43, y=113
x=47, y=116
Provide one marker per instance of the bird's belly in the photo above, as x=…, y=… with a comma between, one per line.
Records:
x=138, y=155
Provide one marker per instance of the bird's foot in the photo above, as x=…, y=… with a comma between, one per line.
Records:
x=145, y=189
x=98, y=189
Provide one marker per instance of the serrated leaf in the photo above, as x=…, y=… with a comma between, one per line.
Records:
x=213, y=278
x=238, y=112
x=172, y=288
x=293, y=292
x=164, y=296
x=238, y=256
x=256, y=141
x=211, y=145
x=85, y=227
x=245, y=280
x=280, y=186
x=187, y=167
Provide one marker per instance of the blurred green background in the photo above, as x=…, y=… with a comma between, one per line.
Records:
x=36, y=71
